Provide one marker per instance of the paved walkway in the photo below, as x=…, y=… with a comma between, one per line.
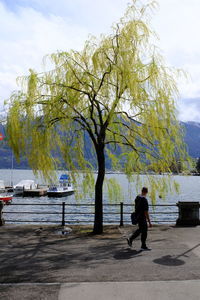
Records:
x=148, y=290
x=43, y=264
x=142, y=290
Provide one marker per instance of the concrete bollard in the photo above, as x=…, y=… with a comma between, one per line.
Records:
x=188, y=214
x=2, y=222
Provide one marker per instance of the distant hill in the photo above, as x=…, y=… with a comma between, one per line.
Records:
x=6, y=155
x=192, y=139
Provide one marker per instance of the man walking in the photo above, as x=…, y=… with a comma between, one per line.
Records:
x=142, y=216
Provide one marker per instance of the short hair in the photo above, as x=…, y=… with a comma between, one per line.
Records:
x=144, y=190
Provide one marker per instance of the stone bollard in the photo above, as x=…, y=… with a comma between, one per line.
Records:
x=188, y=214
x=2, y=222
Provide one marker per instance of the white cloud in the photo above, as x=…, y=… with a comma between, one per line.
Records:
x=34, y=28
x=27, y=34
x=26, y=37
x=177, y=24
x=189, y=109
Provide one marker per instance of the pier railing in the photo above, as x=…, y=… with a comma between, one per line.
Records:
x=73, y=213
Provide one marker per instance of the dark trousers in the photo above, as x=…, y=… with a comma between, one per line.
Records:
x=142, y=229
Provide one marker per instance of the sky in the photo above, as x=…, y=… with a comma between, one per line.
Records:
x=30, y=29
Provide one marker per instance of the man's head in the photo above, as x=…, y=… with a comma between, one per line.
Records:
x=144, y=191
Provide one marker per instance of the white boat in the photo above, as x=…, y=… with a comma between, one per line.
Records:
x=6, y=198
x=2, y=186
x=24, y=185
x=65, y=187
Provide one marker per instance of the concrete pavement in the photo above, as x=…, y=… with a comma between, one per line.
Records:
x=142, y=290
x=43, y=264
x=148, y=290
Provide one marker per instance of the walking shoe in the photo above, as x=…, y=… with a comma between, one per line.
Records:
x=145, y=248
x=129, y=242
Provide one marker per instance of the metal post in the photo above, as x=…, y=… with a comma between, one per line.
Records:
x=2, y=222
x=11, y=174
x=63, y=214
x=121, y=214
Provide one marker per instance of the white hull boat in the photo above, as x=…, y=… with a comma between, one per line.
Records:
x=64, y=188
x=6, y=198
x=24, y=185
x=60, y=191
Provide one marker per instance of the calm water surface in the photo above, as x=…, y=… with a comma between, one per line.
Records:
x=189, y=191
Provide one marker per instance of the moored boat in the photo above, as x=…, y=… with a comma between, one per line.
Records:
x=6, y=198
x=24, y=185
x=65, y=187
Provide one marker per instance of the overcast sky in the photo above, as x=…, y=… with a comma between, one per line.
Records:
x=30, y=29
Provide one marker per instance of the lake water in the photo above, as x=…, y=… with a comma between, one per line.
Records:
x=189, y=191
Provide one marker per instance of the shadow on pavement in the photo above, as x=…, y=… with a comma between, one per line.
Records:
x=29, y=257
x=126, y=254
x=170, y=260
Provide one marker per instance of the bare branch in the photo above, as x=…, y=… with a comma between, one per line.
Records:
x=87, y=125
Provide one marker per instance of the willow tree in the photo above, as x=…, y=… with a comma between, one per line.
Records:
x=118, y=90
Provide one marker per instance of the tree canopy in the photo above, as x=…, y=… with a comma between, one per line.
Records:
x=198, y=165
x=118, y=90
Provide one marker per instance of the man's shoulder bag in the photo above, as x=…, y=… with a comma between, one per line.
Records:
x=134, y=218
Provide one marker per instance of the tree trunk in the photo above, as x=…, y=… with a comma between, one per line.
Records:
x=98, y=220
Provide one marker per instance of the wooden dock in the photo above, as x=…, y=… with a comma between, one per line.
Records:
x=35, y=193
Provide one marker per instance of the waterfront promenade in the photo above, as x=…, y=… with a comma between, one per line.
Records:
x=44, y=264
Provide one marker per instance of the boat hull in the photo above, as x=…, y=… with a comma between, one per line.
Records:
x=59, y=194
x=6, y=199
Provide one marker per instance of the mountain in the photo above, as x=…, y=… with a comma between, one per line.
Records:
x=192, y=139
x=6, y=155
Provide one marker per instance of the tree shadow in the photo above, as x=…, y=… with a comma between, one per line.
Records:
x=30, y=257
x=126, y=254
x=174, y=261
